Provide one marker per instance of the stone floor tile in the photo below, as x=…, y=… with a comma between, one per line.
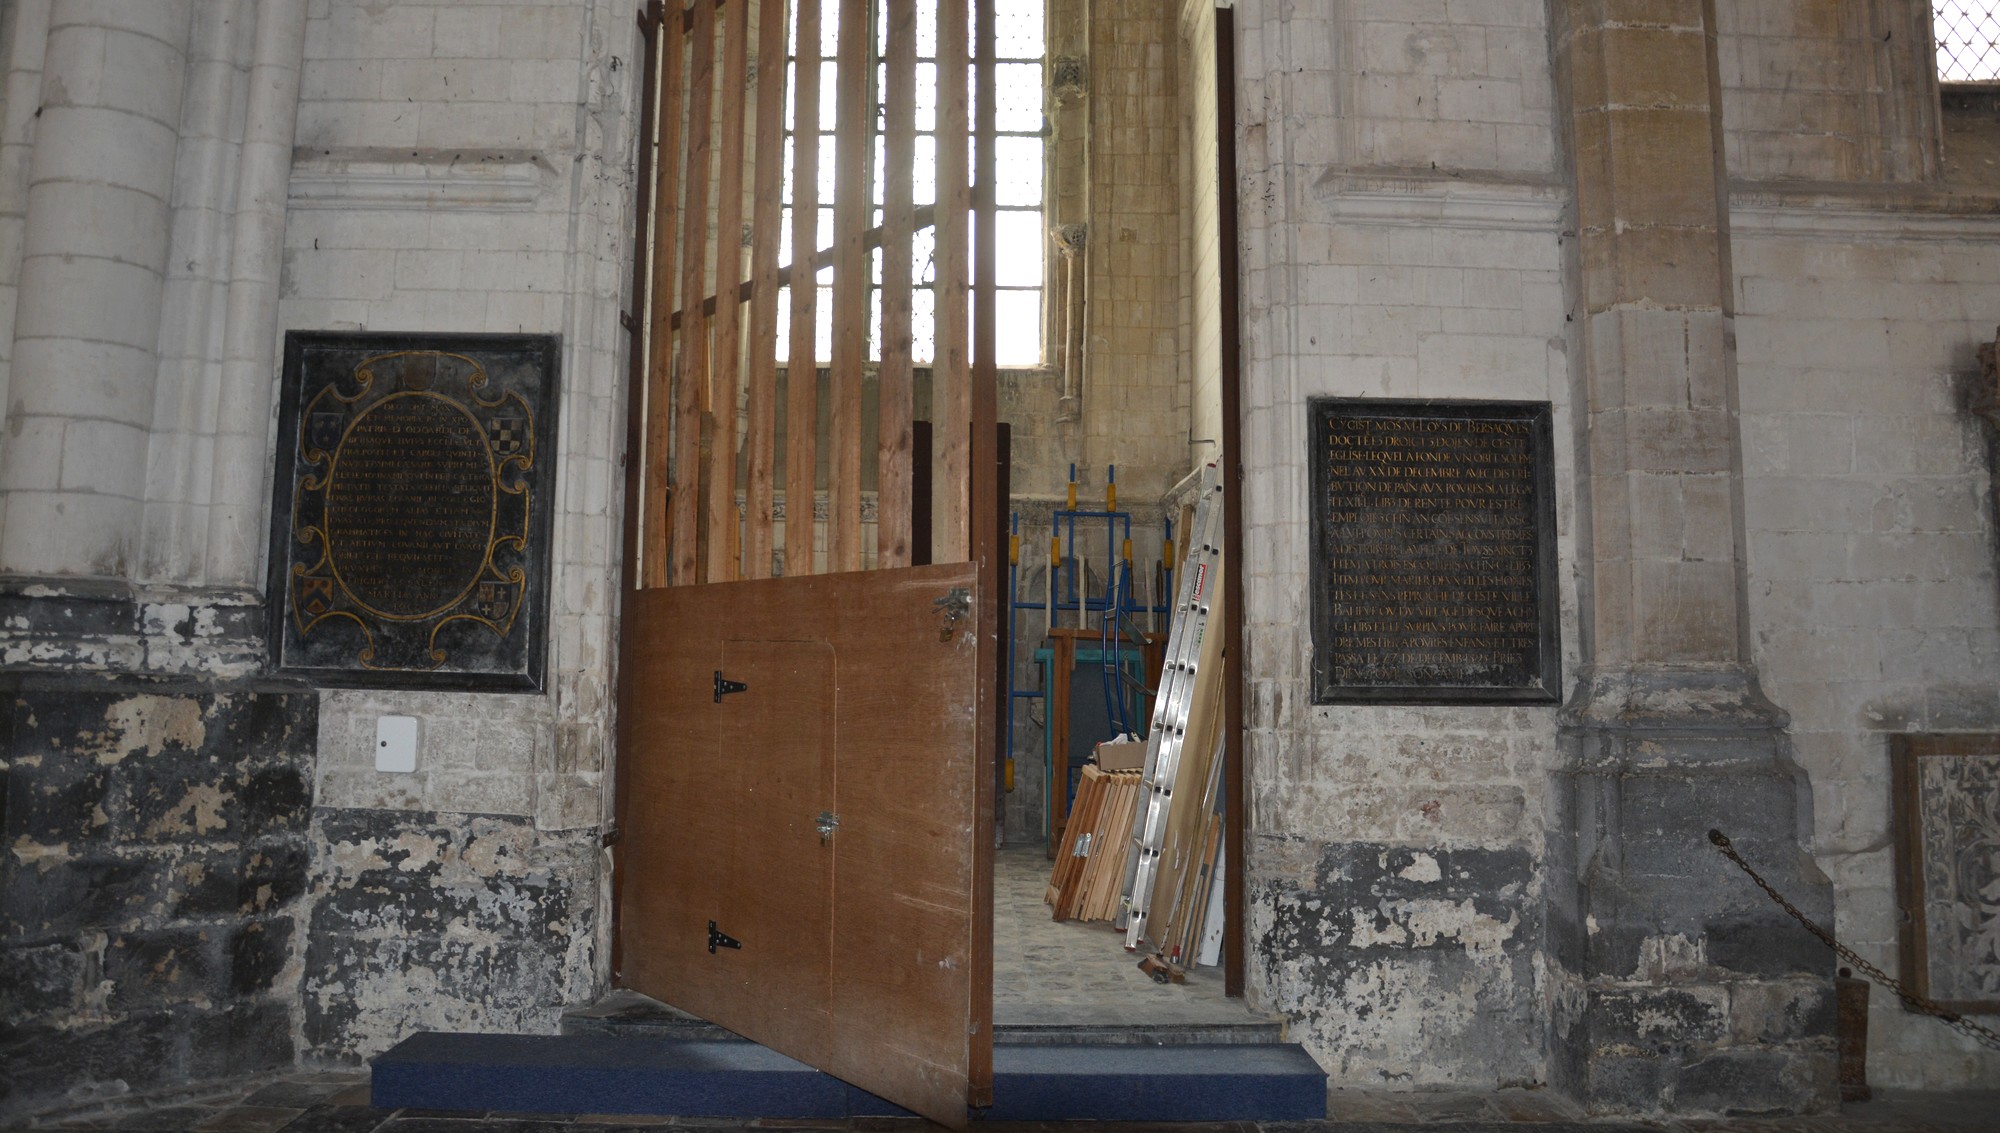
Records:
x=357, y=1094
x=175, y=1118
x=250, y=1119
x=291, y=1094
x=1531, y=1106
x=1368, y=1105
x=335, y=1118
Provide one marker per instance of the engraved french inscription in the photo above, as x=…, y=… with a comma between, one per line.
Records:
x=1431, y=535
x=410, y=506
x=412, y=510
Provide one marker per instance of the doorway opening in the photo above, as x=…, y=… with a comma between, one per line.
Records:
x=842, y=263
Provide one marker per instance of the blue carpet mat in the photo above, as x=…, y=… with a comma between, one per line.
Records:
x=628, y=1074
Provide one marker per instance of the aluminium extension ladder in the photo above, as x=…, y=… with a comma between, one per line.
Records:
x=1168, y=732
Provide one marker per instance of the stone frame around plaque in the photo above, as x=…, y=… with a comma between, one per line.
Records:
x=412, y=510
x=1510, y=650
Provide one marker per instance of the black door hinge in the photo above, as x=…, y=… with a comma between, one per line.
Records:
x=723, y=686
x=612, y=836
x=718, y=939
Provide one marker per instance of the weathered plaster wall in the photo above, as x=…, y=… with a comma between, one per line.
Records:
x=152, y=889
x=467, y=167
x=1395, y=904
x=1874, y=603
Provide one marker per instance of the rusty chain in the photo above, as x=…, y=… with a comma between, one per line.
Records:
x=1984, y=1035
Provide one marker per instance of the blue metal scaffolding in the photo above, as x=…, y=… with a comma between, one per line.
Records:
x=1066, y=591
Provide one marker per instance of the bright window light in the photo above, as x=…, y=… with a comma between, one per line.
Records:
x=1020, y=44
x=1968, y=40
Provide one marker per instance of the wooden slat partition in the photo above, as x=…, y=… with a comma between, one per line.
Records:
x=659, y=371
x=951, y=387
x=851, y=197
x=896, y=397
x=762, y=440
x=725, y=555
x=714, y=324
x=691, y=376
x=802, y=369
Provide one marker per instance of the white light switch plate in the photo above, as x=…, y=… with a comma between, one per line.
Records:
x=396, y=743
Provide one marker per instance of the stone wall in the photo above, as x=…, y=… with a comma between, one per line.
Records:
x=1873, y=599
x=467, y=167
x=153, y=891
x=1394, y=852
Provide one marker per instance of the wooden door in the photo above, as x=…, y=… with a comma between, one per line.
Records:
x=807, y=860
x=822, y=819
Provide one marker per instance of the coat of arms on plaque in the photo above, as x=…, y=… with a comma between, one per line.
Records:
x=412, y=510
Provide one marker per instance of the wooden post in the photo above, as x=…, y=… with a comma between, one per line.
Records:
x=635, y=432
x=985, y=547
x=764, y=225
x=951, y=402
x=660, y=368
x=802, y=367
x=895, y=397
x=691, y=378
x=852, y=144
x=724, y=535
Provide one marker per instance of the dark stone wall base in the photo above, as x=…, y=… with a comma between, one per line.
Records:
x=446, y=922
x=1407, y=965
x=150, y=890
x=1680, y=987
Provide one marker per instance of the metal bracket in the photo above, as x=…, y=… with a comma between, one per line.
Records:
x=826, y=824
x=723, y=686
x=719, y=939
x=954, y=605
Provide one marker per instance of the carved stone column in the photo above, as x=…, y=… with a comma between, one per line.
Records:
x=1681, y=988
x=92, y=272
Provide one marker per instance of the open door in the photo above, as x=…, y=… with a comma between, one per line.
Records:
x=802, y=808
x=805, y=763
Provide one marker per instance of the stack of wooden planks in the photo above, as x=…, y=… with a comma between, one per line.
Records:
x=1089, y=871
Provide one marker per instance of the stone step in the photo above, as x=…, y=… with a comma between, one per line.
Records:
x=624, y=1012
x=600, y=1073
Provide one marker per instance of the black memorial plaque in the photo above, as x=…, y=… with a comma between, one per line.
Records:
x=411, y=510
x=1433, y=553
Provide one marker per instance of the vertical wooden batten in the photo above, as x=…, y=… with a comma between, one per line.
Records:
x=951, y=405
x=984, y=538
x=895, y=396
x=851, y=196
x=691, y=378
x=724, y=536
x=635, y=429
x=1234, y=812
x=802, y=367
x=762, y=441
x=656, y=525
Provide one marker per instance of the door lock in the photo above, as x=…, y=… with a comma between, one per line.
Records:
x=953, y=606
x=826, y=824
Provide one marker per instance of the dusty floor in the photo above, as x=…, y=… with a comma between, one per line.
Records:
x=338, y=1103
x=1049, y=973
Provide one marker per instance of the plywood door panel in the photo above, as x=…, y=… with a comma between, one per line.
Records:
x=860, y=952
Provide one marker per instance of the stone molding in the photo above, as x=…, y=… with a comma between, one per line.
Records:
x=1400, y=198
x=1845, y=222
x=482, y=180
